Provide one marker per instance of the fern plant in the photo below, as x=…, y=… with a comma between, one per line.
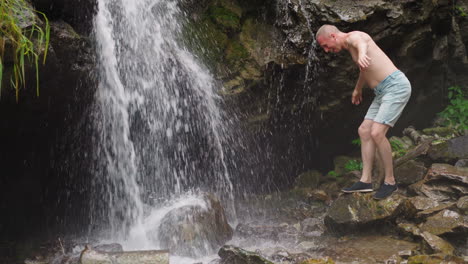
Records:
x=456, y=113
x=25, y=43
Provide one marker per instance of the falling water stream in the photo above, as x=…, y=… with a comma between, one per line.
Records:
x=162, y=136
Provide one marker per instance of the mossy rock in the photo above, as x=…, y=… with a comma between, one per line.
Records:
x=435, y=259
x=309, y=179
x=236, y=56
x=235, y=255
x=450, y=150
x=326, y=260
x=354, y=212
x=206, y=41
x=225, y=18
x=340, y=162
x=445, y=132
x=446, y=221
x=231, y=5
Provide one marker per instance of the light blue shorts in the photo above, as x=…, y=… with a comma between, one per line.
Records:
x=391, y=96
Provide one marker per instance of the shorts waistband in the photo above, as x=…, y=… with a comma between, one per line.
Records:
x=379, y=88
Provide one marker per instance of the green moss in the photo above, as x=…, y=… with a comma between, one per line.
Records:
x=398, y=147
x=326, y=260
x=236, y=51
x=353, y=165
x=205, y=40
x=236, y=55
x=440, y=131
x=226, y=19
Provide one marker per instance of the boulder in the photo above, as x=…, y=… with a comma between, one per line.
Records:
x=235, y=255
x=431, y=211
x=410, y=172
x=446, y=171
x=422, y=203
x=445, y=222
x=195, y=230
x=408, y=229
x=450, y=150
x=462, y=204
x=437, y=244
x=355, y=212
x=443, y=182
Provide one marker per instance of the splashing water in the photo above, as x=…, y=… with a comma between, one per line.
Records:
x=161, y=130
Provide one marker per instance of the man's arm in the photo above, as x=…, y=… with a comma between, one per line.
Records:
x=359, y=42
x=357, y=93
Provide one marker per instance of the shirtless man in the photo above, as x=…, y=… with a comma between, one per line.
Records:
x=392, y=91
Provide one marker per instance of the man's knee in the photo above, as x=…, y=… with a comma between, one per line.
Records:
x=377, y=134
x=364, y=131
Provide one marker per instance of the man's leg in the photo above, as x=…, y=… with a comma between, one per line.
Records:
x=367, y=149
x=378, y=134
x=368, y=152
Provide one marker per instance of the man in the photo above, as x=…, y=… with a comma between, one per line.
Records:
x=392, y=91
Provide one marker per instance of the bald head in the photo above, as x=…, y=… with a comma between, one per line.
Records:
x=326, y=30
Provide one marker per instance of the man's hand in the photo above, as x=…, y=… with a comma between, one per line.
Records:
x=364, y=61
x=357, y=97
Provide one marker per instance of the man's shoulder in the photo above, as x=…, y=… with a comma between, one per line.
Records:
x=360, y=34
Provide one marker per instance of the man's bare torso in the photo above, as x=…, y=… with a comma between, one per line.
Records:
x=380, y=65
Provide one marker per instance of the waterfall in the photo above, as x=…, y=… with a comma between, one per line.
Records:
x=162, y=132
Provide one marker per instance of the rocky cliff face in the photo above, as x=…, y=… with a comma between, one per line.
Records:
x=44, y=139
x=293, y=96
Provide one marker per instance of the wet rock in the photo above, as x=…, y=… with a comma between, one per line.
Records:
x=440, y=191
x=263, y=41
x=195, y=230
x=435, y=259
x=405, y=253
x=270, y=232
x=235, y=255
x=410, y=172
x=436, y=209
x=90, y=256
x=114, y=247
x=408, y=229
x=446, y=171
x=312, y=227
x=423, y=203
x=462, y=163
x=444, y=222
x=437, y=244
x=319, y=195
x=355, y=212
x=309, y=179
x=450, y=150
x=366, y=249
x=326, y=260
x=462, y=204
